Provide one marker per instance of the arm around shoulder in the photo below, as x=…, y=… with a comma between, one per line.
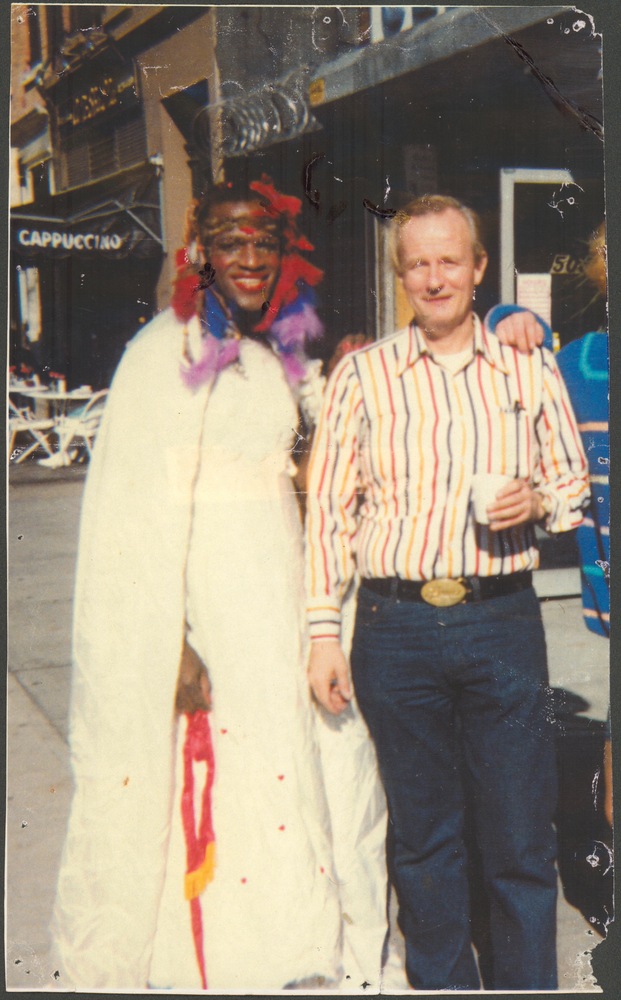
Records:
x=518, y=327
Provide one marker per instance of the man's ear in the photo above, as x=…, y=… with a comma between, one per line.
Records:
x=479, y=268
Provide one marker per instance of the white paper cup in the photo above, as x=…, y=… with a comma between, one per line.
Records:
x=485, y=486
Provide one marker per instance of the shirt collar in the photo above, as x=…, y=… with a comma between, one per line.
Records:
x=485, y=344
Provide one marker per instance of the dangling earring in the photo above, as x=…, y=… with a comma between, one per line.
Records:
x=474, y=293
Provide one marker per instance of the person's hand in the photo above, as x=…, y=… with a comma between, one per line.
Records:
x=328, y=675
x=516, y=503
x=193, y=687
x=522, y=330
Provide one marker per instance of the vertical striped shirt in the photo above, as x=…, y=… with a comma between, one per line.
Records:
x=398, y=441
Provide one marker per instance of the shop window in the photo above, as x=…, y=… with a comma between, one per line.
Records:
x=34, y=35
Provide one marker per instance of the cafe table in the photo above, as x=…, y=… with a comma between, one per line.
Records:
x=58, y=404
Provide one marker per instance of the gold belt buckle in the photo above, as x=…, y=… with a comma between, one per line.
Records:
x=443, y=593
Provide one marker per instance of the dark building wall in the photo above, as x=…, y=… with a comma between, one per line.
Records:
x=453, y=124
x=256, y=45
x=168, y=69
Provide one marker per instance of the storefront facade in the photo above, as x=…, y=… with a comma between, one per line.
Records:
x=88, y=247
x=93, y=264
x=352, y=110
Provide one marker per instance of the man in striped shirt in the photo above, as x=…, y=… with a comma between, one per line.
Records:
x=448, y=657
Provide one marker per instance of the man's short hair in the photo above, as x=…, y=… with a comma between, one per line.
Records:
x=433, y=204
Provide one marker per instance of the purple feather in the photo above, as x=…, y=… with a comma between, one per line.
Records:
x=216, y=355
x=293, y=367
x=294, y=330
x=288, y=335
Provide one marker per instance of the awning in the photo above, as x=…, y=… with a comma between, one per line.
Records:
x=122, y=220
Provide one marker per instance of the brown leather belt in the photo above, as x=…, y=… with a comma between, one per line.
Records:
x=443, y=593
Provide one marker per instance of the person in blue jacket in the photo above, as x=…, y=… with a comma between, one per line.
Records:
x=584, y=366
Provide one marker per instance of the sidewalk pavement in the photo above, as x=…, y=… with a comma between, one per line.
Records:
x=44, y=510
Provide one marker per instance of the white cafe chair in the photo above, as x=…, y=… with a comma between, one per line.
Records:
x=79, y=428
x=22, y=421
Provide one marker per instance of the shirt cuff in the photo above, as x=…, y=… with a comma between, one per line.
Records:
x=559, y=515
x=324, y=620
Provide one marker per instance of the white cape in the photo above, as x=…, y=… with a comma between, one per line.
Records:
x=271, y=915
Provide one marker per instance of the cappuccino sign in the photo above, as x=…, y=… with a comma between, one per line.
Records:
x=69, y=241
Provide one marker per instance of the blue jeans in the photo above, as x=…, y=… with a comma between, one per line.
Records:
x=456, y=700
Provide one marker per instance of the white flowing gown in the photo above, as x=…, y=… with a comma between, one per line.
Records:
x=190, y=512
x=271, y=914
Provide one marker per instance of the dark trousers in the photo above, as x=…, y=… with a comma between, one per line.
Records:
x=456, y=700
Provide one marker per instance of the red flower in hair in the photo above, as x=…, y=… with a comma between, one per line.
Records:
x=285, y=205
x=278, y=204
x=292, y=269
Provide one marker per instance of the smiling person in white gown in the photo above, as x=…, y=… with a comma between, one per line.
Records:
x=189, y=606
